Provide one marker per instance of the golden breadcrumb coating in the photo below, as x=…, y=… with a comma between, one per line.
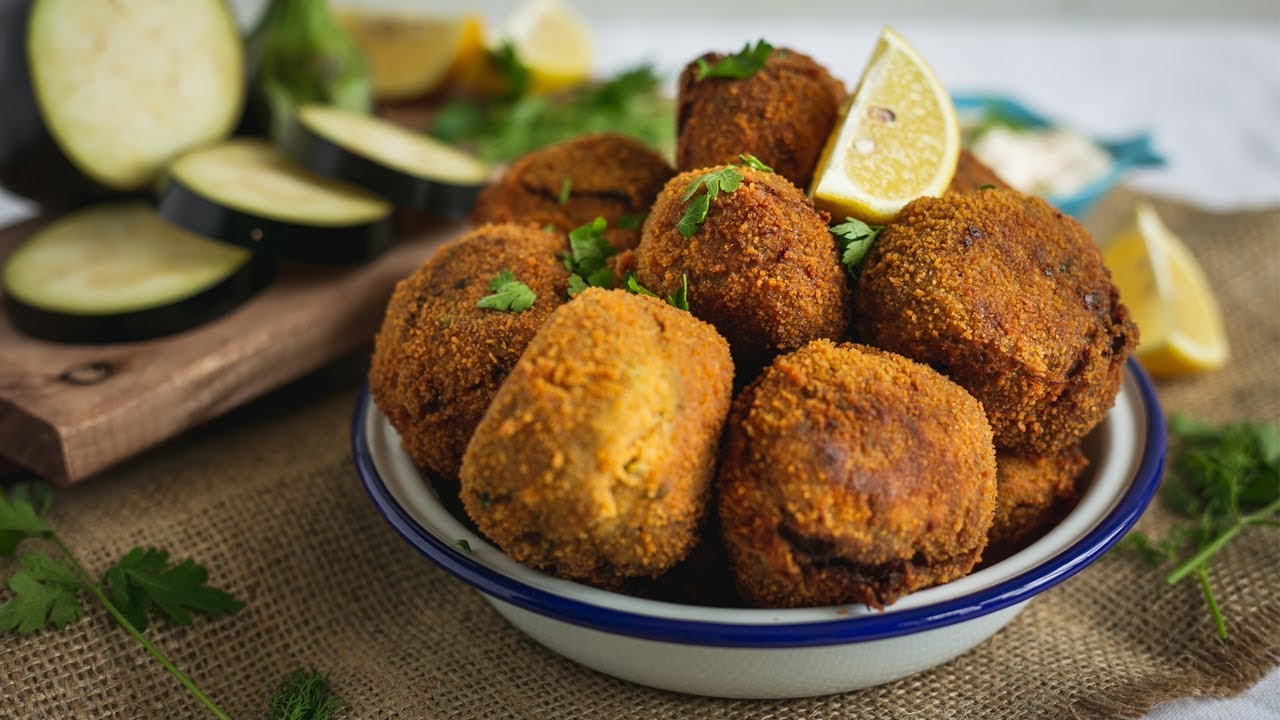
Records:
x=850, y=474
x=1008, y=297
x=1033, y=493
x=762, y=267
x=609, y=176
x=595, y=460
x=439, y=359
x=781, y=114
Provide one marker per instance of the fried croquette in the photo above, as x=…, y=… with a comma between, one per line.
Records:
x=1033, y=493
x=972, y=175
x=1009, y=298
x=762, y=267
x=850, y=474
x=571, y=184
x=781, y=114
x=439, y=359
x=595, y=459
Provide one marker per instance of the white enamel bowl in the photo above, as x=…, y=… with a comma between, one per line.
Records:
x=748, y=653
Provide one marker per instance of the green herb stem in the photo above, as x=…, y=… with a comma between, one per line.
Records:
x=1219, y=622
x=155, y=652
x=1221, y=540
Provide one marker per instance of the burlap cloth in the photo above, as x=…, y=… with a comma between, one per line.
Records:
x=267, y=498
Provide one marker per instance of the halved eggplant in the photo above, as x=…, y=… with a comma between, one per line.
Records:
x=99, y=97
x=408, y=168
x=119, y=272
x=245, y=192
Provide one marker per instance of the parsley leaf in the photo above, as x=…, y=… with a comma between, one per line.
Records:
x=304, y=695
x=854, y=238
x=44, y=591
x=680, y=298
x=509, y=294
x=566, y=187
x=631, y=103
x=727, y=179
x=20, y=515
x=462, y=544
x=753, y=162
x=144, y=579
x=588, y=251
x=514, y=73
x=1223, y=480
x=746, y=62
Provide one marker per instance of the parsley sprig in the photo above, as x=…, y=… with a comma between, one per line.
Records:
x=588, y=251
x=508, y=294
x=1221, y=481
x=726, y=179
x=854, y=239
x=743, y=64
x=46, y=591
x=753, y=162
x=678, y=299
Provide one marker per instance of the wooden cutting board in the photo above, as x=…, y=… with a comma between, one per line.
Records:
x=69, y=411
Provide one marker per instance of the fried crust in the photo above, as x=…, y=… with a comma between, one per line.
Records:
x=972, y=175
x=850, y=474
x=1008, y=297
x=1033, y=493
x=781, y=114
x=595, y=460
x=762, y=267
x=610, y=176
x=439, y=359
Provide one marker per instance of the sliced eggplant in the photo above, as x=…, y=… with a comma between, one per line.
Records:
x=119, y=272
x=408, y=168
x=120, y=89
x=245, y=192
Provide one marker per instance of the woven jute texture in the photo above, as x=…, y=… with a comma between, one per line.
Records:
x=268, y=499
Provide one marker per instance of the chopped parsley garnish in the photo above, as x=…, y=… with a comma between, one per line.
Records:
x=566, y=187
x=462, y=544
x=854, y=238
x=988, y=186
x=588, y=251
x=753, y=162
x=509, y=294
x=678, y=299
x=726, y=179
x=549, y=227
x=746, y=62
x=1222, y=481
x=508, y=65
x=631, y=103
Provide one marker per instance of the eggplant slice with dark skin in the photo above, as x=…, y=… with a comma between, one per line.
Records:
x=118, y=272
x=246, y=193
x=410, y=169
x=98, y=98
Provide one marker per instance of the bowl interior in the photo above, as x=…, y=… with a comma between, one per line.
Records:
x=1125, y=454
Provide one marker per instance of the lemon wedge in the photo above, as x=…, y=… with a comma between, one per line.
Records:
x=899, y=138
x=553, y=41
x=1169, y=297
x=409, y=55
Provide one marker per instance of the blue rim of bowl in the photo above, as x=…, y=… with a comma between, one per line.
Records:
x=840, y=631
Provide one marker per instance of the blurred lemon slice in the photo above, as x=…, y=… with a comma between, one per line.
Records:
x=1169, y=296
x=898, y=140
x=553, y=41
x=409, y=55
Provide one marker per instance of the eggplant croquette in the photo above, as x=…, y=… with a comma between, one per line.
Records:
x=762, y=267
x=850, y=474
x=781, y=114
x=439, y=359
x=573, y=183
x=972, y=175
x=1009, y=298
x=595, y=460
x=1033, y=493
